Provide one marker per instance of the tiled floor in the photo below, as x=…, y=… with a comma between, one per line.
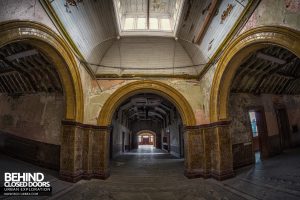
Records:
x=149, y=173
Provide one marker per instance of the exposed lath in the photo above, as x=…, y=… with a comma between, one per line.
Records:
x=271, y=70
x=24, y=69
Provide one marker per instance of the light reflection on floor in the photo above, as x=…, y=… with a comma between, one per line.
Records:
x=145, y=150
x=257, y=157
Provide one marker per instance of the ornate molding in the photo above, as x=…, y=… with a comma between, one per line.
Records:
x=240, y=48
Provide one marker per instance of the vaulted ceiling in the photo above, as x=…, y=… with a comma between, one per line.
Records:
x=92, y=28
x=272, y=70
x=25, y=70
x=147, y=107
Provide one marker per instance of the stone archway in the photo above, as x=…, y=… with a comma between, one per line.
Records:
x=51, y=44
x=239, y=50
x=48, y=42
x=156, y=87
x=241, y=47
x=147, y=86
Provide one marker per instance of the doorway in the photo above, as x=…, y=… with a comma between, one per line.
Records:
x=283, y=127
x=259, y=134
x=146, y=120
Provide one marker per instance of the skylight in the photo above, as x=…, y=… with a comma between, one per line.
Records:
x=148, y=17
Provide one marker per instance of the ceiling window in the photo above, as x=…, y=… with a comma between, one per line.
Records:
x=153, y=23
x=141, y=23
x=148, y=16
x=129, y=24
x=165, y=24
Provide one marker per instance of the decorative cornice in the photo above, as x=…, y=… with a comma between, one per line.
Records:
x=138, y=76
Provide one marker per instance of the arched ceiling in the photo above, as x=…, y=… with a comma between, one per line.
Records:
x=147, y=107
x=92, y=29
x=131, y=55
x=272, y=70
x=25, y=70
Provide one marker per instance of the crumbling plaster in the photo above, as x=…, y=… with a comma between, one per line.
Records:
x=275, y=13
x=100, y=91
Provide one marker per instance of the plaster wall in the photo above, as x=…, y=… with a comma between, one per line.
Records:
x=148, y=53
x=35, y=116
x=174, y=138
x=275, y=13
x=240, y=123
x=240, y=128
x=118, y=130
x=101, y=91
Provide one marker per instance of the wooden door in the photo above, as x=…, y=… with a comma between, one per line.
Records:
x=123, y=141
x=283, y=127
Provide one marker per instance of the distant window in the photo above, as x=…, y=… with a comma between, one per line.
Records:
x=129, y=24
x=165, y=24
x=141, y=23
x=253, y=124
x=153, y=23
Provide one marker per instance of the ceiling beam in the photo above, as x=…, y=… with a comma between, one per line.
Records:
x=148, y=14
x=270, y=58
x=22, y=54
x=211, y=11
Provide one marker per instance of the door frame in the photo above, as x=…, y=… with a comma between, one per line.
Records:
x=262, y=135
x=277, y=107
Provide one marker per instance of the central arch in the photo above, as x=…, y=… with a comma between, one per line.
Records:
x=146, y=86
x=106, y=118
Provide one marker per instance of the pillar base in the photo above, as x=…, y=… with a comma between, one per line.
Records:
x=191, y=174
x=208, y=151
x=222, y=175
x=70, y=177
x=75, y=177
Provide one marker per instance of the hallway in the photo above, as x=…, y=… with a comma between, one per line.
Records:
x=146, y=163
x=149, y=173
x=141, y=175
